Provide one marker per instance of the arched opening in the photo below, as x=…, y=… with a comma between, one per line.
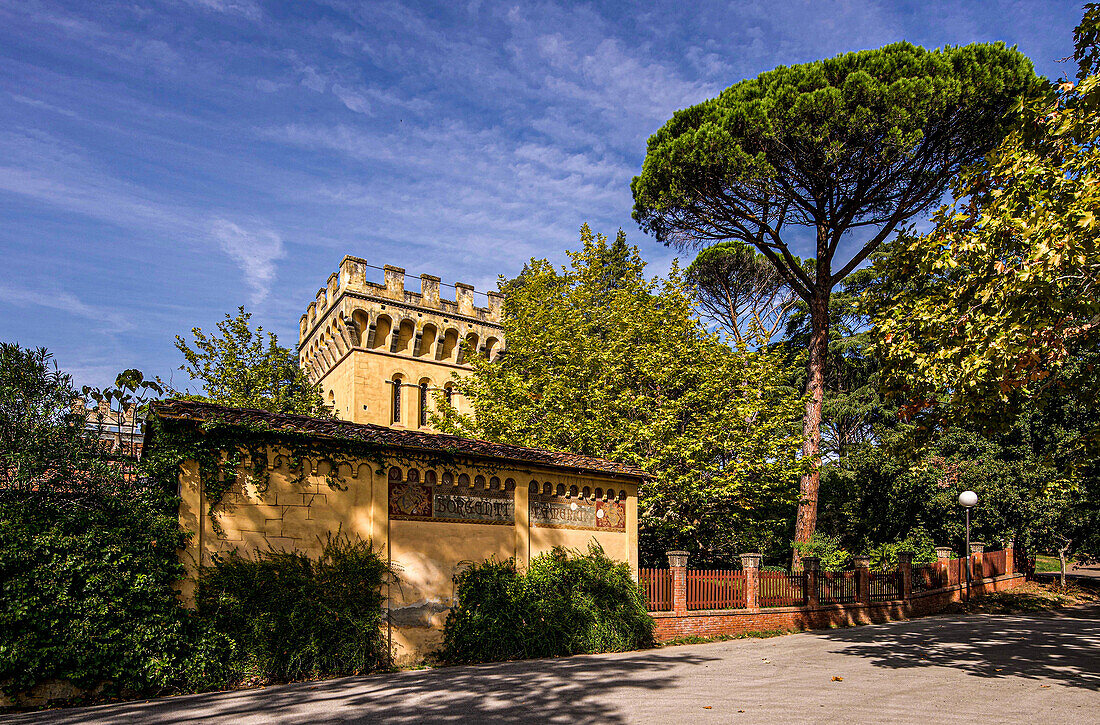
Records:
x=422, y=404
x=395, y=402
x=404, y=336
x=449, y=342
x=491, y=345
x=382, y=329
x=469, y=347
x=361, y=322
x=427, y=340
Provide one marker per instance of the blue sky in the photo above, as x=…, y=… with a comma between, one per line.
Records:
x=162, y=163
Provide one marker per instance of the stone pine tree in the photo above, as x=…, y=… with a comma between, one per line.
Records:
x=840, y=153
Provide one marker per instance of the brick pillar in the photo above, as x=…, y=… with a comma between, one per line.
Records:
x=677, y=565
x=862, y=565
x=750, y=563
x=905, y=568
x=943, y=565
x=1010, y=557
x=811, y=565
x=976, y=570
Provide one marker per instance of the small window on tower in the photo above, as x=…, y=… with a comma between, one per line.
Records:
x=396, y=398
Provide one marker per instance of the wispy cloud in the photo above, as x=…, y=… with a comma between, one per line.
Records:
x=255, y=252
x=246, y=8
x=110, y=321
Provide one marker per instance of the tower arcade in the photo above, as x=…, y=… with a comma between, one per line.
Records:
x=381, y=353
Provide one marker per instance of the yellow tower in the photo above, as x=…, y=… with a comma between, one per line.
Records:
x=380, y=353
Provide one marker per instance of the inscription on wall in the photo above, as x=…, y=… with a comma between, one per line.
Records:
x=558, y=513
x=422, y=502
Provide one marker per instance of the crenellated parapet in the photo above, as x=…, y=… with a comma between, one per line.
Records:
x=352, y=313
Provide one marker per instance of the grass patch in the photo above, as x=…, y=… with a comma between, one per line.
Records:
x=1045, y=563
x=693, y=639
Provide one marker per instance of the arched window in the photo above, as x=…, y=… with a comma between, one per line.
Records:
x=424, y=403
x=396, y=406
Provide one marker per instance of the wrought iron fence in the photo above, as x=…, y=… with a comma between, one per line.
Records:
x=781, y=589
x=656, y=585
x=715, y=589
x=836, y=587
x=927, y=578
x=885, y=586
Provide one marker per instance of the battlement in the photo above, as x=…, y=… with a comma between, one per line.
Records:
x=353, y=314
x=352, y=279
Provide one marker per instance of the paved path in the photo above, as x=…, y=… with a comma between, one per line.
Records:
x=970, y=669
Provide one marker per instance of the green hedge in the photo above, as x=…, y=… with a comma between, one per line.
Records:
x=86, y=591
x=565, y=603
x=286, y=616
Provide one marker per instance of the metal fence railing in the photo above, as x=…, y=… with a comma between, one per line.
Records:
x=715, y=589
x=836, y=587
x=885, y=586
x=927, y=578
x=656, y=585
x=782, y=589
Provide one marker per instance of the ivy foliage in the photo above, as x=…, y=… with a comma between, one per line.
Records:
x=566, y=603
x=247, y=368
x=605, y=362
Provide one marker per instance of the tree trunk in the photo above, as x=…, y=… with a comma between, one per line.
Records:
x=1062, y=561
x=806, y=520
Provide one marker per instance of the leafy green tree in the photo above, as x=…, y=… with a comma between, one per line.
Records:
x=739, y=290
x=616, y=365
x=43, y=444
x=88, y=555
x=1006, y=288
x=245, y=368
x=843, y=151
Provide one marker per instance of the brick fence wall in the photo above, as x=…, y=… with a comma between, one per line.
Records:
x=681, y=621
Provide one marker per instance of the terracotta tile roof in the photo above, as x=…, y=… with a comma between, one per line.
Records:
x=410, y=440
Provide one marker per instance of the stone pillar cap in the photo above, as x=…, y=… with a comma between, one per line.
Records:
x=677, y=558
x=977, y=547
x=751, y=560
x=943, y=552
x=861, y=562
x=811, y=563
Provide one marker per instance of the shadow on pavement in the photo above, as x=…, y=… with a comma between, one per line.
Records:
x=1062, y=646
x=572, y=690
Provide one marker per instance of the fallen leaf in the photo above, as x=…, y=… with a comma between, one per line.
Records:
x=706, y=707
x=740, y=711
x=1044, y=685
x=838, y=679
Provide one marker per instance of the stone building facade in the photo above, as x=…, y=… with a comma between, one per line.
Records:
x=382, y=354
x=438, y=504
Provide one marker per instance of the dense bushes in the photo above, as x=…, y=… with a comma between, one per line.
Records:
x=565, y=603
x=86, y=590
x=286, y=616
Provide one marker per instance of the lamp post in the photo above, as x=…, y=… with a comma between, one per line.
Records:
x=968, y=500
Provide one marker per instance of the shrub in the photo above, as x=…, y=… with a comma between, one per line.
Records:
x=827, y=548
x=565, y=603
x=884, y=557
x=286, y=616
x=86, y=591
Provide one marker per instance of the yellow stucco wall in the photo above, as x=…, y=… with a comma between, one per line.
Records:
x=426, y=551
